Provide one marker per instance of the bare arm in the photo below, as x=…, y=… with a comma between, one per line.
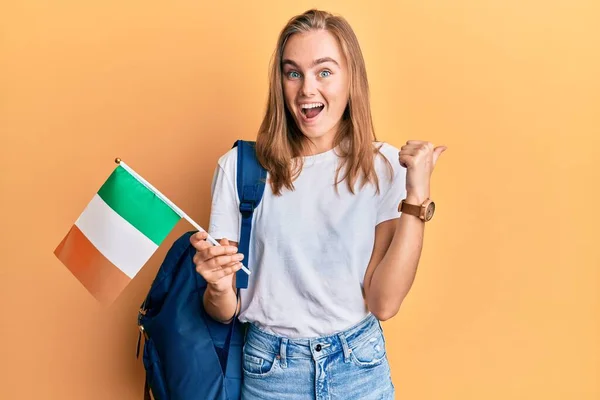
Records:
x=221, y=305
x=393, y=265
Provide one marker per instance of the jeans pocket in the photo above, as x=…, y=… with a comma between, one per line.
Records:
x=369, y=352
x=257, y=363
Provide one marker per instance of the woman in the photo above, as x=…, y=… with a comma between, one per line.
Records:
x=332, y=256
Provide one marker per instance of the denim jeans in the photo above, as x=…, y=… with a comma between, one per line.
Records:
x=350, y=365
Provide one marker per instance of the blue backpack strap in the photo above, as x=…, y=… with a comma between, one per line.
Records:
x=251, y=178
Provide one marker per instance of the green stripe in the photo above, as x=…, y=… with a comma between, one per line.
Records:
x=138, y=205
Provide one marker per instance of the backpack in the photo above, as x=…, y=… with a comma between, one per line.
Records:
x=186, y=354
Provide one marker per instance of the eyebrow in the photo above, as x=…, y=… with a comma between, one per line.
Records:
x=316, y=62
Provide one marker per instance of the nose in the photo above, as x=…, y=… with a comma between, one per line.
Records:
x=309, y=86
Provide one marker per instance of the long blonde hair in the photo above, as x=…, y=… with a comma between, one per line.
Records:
x=280, y=143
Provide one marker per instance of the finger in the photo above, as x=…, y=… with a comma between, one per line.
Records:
x=206, y=251
x=224, y=267
x=426, y=148
x=421, y=145
x=411, y=151
x=233, y=269
x=221, y=261
x=215, y=251
x=201, y=245
x=224, y=242
x=406, y=161
x=219, y=273
x=411, y=146
x=437, y=152
x=208, y=268
x=201, y=255
x=197, y=259
x=416, y=142
x=198, y=237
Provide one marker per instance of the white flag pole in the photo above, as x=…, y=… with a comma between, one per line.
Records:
x=164, y=198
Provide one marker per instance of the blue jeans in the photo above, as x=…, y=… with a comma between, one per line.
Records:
x=350, y=365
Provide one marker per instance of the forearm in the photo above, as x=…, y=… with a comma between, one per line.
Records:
x=220, y=304
x=394, y=275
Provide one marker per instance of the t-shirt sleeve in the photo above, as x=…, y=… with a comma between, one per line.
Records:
x=391, y=192
x=224, y=211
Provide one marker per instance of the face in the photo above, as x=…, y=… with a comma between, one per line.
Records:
x=315, y=84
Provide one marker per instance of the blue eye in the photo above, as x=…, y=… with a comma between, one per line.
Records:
x=325, y=74
x=293, y=75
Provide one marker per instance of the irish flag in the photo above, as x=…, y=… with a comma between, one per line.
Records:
x=116, y=234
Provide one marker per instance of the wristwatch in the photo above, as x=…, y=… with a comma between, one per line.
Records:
x=424, y=211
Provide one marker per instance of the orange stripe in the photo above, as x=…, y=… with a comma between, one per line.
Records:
x=100, y=277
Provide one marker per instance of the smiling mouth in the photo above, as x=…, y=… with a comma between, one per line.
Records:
x=312, y=110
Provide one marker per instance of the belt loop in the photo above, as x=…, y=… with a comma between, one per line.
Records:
x=283, y=352
x=345, y=347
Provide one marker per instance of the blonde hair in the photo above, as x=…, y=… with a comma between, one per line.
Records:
x=280, y=143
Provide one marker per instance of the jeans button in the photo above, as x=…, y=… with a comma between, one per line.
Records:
x=318, y=347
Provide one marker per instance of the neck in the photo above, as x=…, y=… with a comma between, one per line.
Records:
x=319, y=145
x=312, y=148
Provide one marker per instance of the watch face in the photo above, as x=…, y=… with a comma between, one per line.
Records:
x=430, y=211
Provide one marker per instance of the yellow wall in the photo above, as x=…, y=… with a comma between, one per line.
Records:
x=506, y=303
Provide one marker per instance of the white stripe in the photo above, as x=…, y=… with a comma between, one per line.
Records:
x=119, y=241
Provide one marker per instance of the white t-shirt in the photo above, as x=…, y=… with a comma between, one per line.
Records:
x=310, y=247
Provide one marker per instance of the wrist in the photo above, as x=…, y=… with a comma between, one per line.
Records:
x=416, y=199
x=219, y=289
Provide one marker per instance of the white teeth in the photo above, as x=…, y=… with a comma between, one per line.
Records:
x=312, y=105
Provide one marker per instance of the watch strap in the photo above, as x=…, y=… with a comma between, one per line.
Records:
x=410, y=209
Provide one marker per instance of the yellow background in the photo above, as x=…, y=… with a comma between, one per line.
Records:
x=506, y=303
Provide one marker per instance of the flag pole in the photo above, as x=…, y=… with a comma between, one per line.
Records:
x=164, y=198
